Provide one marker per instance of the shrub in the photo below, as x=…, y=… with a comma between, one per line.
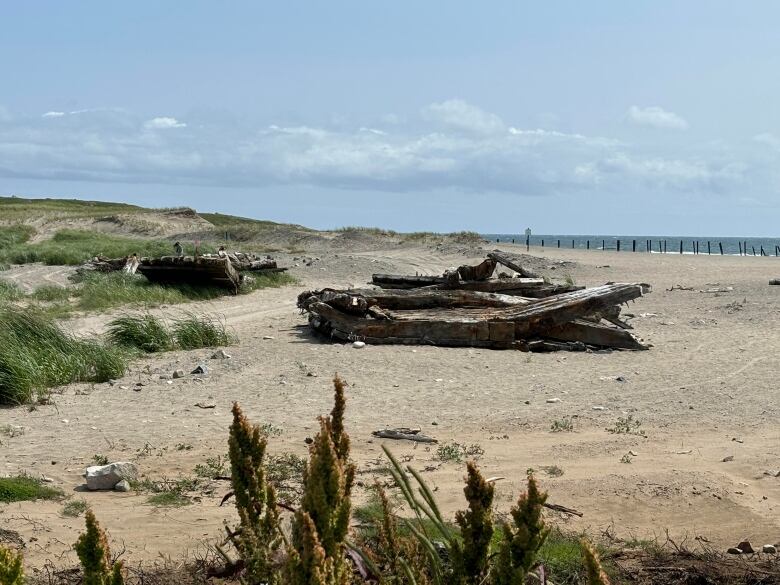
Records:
x=74, y=508
x=15, y=234
x=95, y=556
x=10, y=291
x=37, y=355
x=11, y=571
x=146, y=333
x=258, y=536
x=196, y=331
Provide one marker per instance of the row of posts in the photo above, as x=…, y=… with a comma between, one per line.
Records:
x=662, y=247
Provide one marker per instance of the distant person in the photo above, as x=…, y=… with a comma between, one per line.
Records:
x=178, y=249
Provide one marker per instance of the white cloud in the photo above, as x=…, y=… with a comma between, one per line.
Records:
x=53, y=114
x=163, y=123
x=461, y=115
x=472, y=152
x=655, y=117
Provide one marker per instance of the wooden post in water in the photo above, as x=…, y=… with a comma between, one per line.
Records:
x=709, y=251
x=664, y=246
x=559, y=243
x=680, y=246
x=754, y=250
x=633, y=245
x=762, y=251
x=603, y=245
x=720, y=244
x=660, y=251
x=618, y=245
x=527, y=243
x=587, y=245
x=542, y=243
x=740, y=248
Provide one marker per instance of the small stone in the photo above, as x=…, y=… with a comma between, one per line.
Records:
x=527, y=402
x=599, y=408
x=178, y=374
x=772, y=473
x=311, y=374
x=439, y=380
x=769, y=549
x=633, y=453
x=553, y=400
x=105, y=477
x=727, y=459
x=358, y=344
x=45, y=479
x=122, y=486
x=745, y=547
x=201, y=369
x=220, y=355
x=123, y=387
x=734, y=551
x=65, y=421
x=267, y=337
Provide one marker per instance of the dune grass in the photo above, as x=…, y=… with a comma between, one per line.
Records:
x=10, y=291
x=15, y=234
x=20, y=209
x=145, y=333
x=73, y=247
x=196, y=331
x=22, y=488
x=51, y=293
x=149, y=334
x=36, y=355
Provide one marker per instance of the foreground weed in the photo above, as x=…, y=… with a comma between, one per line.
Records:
x=22, y=488
x=10, y=291
x=627, y=426
x=95, y=556
x=11, y=570
x=213, y=467
x=51, y=293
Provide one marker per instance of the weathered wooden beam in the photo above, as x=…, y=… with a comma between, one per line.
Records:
x=401, y=281
x=481, y=271
x=596, y=334
x=512, y=263
x=406, y=299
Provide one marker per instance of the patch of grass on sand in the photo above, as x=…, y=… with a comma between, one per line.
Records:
x=145, y=333
x=253, y=282
x=74, y=508
x=196, y=331
x=20, y=209
x=22, y=488
x=51, y=293
x=15, y=234
x=10, y=291
x=561, y=555
x=36, y=354
x=169, y=500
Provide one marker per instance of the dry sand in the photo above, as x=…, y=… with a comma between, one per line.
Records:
x=706, y=391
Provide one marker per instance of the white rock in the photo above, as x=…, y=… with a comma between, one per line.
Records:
x=267, y=337
x=769, y=549
x=220, y=355
x=358, y=344
x=553, y=400
x=599, y=408
x=122, y=486
x=105, y=477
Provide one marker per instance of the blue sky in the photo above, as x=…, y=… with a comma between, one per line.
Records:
x=579, y=117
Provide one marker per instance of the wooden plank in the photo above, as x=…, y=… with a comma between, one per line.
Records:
x=407, y=299
x=511, y=263
x=594, y=334
x=401, y=281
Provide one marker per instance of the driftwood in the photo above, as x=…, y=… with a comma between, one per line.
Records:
x=511, y=263
x=397, y=281
x=191, y=270
x=774, y=281
x=481, y=271
x=405, y=434
x=497, y=327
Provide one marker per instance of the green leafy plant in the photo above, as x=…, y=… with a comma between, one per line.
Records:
x=22, y=488
x=95, y=556
x=455, y=452
x=74, y=508
x=626, y=426
x=565, y=424
x=11, y=570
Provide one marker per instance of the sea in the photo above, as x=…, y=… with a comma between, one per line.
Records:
x=653, y=244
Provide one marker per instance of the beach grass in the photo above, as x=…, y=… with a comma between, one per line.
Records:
x=38, y=355
x=197, y=331
x=144, y=333
x=23, y=488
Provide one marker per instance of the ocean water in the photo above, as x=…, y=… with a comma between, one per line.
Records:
x=657, y=244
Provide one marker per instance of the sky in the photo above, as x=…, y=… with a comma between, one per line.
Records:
x=575, y=117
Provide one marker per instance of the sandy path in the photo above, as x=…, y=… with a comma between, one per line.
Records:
x=707, y=390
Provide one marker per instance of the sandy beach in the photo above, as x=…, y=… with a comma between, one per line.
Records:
x=706, y=395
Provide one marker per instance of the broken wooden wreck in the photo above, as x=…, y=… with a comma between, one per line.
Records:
x=193, y=270
x=529, y=314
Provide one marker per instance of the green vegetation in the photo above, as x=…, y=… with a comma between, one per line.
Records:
x=565, y=424
x=51, y=293
x=11, y=570
x=14, y=234
x=627, y=426
x=196, y=331
x=455, y=452
x=169, y=499
x=74, y=508
x=20, y=209
x=73, y=247
x=145, y=333
x=37, y=355
x=22, y=488
x=10, y=291
x=149, y=334
x=95, y=556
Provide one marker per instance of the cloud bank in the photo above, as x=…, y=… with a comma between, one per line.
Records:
x=450, y=145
